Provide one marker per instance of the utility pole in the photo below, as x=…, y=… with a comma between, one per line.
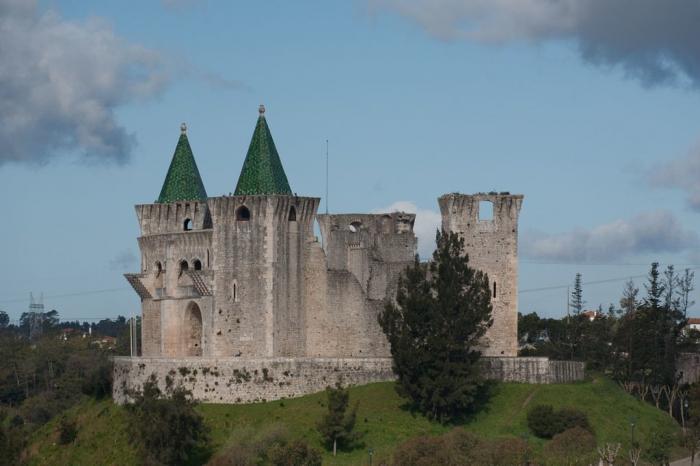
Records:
x=326, y=176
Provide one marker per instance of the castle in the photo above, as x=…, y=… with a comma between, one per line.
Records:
x=241, y=302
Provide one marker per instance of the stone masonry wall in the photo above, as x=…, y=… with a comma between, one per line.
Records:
x=532, y=370
x=491, y=242
x=237, y=380
x=249, y=380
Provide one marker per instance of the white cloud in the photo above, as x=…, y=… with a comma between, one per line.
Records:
x=61, y=81
x=649, y=232
x=656, y=41
x=427, y=223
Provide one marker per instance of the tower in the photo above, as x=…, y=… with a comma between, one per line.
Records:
x=259, y=242
x=175, y=279
x=488, y=223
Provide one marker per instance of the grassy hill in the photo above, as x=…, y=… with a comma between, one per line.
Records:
x=102, y=437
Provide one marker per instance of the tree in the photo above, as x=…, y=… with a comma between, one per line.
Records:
x=4, y=319
x=337, y=425
x=574, y=322
x=165, y=427
x=685, y=287
x=647, y=340
x=435, y=327
x=577, y=301
x=629, y=300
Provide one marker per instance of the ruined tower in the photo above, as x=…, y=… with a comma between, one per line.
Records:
x=489, y=225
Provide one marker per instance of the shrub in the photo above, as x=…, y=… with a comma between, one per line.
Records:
x=502, y=452
x=165, y=428
x=545, y=422
x=67, y=431
x=98, y=381
x=12, y=442
x=572, y=447
x=658, y=448
x=422, y=451
x=459, y=447
x=296, y=453
x=270, y=446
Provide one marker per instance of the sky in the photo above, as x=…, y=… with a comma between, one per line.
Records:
x=589, y=108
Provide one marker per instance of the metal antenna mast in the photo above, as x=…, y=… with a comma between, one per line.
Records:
x=36, y=316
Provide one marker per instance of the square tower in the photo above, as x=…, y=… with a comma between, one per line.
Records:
x=488, y=222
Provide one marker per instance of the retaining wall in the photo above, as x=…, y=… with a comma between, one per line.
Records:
x=237, y=380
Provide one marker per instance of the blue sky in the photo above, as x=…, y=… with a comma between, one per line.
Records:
x=416, y=98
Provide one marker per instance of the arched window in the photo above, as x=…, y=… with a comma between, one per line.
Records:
x=354, y=227
x=494, y=289
x=292, y=214
x=184, y=267
x=197, y=264
x=243, y=214
x=159, y=268
x=187, y=225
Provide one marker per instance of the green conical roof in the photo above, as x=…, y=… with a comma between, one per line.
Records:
x=262, y=171
x=182, y=183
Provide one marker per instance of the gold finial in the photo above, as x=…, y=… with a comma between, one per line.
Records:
x=261, y=110
x=183, y=128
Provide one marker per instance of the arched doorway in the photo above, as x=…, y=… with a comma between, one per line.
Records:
x=193, y=330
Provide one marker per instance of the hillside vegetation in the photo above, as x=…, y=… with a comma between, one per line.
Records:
x=102, y=438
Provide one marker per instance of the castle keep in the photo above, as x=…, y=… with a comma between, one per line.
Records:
x=241, y=301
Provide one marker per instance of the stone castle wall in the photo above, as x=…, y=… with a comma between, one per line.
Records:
x=491, y=243
x=236, y=380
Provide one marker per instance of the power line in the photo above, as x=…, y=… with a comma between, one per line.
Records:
x=595, y=282
x=68, y=295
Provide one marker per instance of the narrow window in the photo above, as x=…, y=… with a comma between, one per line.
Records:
x=159, y=268
x=235, y=292
x=292, y=214
x=494, y=289
x=197, y=264
x=187, y=225
x=243, y=214
x=184, y=266
x=485, y=210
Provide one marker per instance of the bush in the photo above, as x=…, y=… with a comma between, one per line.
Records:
x=68, y=431
x=12, y=442
x=98, y=381
x=422, y=451
x=165, y=428
x=270, y=446
x=459, y=447
x=502, y=452
x=545, y=422
x=296, y=453
x=572, y=447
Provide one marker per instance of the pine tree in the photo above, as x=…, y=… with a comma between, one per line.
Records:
x=577, y=301
x=337, y=425
x=435, y=326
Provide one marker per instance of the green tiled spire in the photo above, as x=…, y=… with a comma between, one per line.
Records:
x=182, y=183
x=262, y=171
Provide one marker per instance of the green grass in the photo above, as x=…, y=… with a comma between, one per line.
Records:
x=102, y=437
